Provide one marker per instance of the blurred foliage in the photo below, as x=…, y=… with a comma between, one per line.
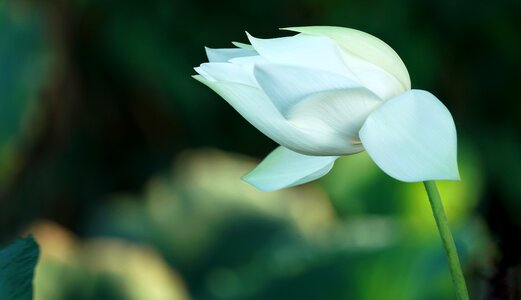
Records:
x=100, y=268
x=96, y=101
x=23, y=58
x=230, y=241
x=17, y=263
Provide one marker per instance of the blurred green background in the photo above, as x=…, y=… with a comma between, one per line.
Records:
x=127, y=170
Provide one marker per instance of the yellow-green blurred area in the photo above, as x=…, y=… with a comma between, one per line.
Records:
x=127, y=171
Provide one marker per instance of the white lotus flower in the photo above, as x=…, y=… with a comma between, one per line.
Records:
x=328, y=92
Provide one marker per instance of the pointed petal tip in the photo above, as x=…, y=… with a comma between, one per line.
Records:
x=293, y=28
x=455, y=176
x=242, y=45
x=253, y=39
x=283, y=168
x=299, y=29
x=198, y=78
x=250, y=38
x=250, y=179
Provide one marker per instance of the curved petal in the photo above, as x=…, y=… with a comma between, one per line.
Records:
x=315, y=52
x=248, y=63
x=287, y=85
x=225, y=54
x=374, y=78
x=412, y=137
x=365, y=46
x=342, y=111
x=226, y=72
x=284, y=168
x=258, y=109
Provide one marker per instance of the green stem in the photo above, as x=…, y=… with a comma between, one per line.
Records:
x=448, y=241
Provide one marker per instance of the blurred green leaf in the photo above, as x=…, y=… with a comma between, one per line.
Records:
x=22, y=61
x=17, y=263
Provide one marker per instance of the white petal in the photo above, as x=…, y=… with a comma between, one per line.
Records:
x=287, y=85
x=225, y=54
x=254, y=106
x=284, y=168
x=203, y=73
x=315, y=52
x=243, y=45
x=248, y=63
x=374, y=78
x=226, y=72
x=365, y=46
x=341, y=111
x=412, y=137
x=258, y=109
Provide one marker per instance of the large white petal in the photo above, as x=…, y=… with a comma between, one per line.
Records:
x=342, y=111
x=225, y=54
x=284, y=168
x=286, y=85
x=412, y=137
x=365, y=46
x=226, y=72
x=253, y=104
x=314, y=52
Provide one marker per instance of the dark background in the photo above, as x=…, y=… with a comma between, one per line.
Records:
x=108, y=154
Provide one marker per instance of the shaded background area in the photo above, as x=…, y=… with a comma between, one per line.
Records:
x=108, y=154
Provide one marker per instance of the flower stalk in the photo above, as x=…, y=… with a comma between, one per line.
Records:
x=447, y=239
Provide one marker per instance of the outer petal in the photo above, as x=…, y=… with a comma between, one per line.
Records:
x=365, y=46
x=258, y=109
x=225, y=54
x=287, y=85
x=342, y=111
x=315, y=52
x=284, y=168
x=226, y=72
x=374, y=78
x=243, y=46
x=412, y=137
